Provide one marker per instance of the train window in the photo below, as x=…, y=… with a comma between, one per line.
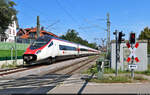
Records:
x=50, y=44
x=82, y=49
x=39, y=42
x=63, y=47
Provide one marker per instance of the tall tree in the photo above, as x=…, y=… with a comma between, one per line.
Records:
x=7, y=11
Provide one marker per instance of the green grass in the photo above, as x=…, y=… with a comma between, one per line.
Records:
x=119, y=79
x=7, y=53
x=91, y=56
x=103, y=54
x=109, y=71
x=112, y=79
x=147, y=72
x=93, y=69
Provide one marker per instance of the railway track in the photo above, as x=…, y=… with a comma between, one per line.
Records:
x=17, y=69
x=70, y=69
x=21, y=68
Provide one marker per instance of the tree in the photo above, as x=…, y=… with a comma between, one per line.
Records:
x=72, y=36
x=7, y=11
x=145, y=35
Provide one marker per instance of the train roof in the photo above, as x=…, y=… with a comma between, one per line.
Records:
x=52, y=37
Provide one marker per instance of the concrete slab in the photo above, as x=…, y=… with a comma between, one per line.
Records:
x=76, y=85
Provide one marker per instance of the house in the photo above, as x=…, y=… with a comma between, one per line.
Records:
x=24, y=35
x=10, y=33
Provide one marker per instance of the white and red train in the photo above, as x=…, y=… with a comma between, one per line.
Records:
x=49, y=48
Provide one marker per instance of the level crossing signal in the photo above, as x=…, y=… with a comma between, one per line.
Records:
x=133, y=45
x=132, y=38
x=120, y=37
x=132, y=50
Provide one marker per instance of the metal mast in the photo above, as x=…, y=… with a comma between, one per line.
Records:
x=108, y=33
x=38, y=27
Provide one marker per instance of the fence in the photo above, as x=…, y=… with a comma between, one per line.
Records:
x=8, y=46
x=7, y=50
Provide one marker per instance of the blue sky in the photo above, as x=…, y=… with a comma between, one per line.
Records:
x=87, y=17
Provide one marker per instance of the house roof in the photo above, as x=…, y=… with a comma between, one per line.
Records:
x=27, y=31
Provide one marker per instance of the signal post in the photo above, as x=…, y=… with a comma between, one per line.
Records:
x=119, y=39
x=132, y=41
x=132, y=45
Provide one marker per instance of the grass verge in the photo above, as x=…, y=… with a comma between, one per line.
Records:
x=93, y=69
x=119, y=79
x=9, y=66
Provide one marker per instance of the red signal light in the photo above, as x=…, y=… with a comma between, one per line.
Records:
x=132, y=38
x=133, y=35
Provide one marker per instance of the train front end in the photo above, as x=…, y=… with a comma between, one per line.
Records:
x=35, y=51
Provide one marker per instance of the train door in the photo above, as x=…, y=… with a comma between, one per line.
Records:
x=54, y=49
x=78, y=50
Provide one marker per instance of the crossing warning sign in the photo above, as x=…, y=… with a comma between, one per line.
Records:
x=132, y=50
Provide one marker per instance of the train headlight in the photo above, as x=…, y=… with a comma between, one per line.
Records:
x=38, y=51
x=25, y=57
x=31, y=57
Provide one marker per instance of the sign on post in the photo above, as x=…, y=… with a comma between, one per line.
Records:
x=132, y=50
x=133, y=66
x=132, y=47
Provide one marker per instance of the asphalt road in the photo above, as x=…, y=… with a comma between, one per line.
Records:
x=58, y=84
x=32, y=84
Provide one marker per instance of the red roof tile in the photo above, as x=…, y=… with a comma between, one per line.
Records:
x=31, y=30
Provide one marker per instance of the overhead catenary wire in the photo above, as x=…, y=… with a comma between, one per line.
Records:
x=52, y=24
x=60, y=5
x=97, y=26
x=92, y=25
x=73, y=19
x=67, y=12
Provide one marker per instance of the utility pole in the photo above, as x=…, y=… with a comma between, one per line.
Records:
x=119, y=39
x=108, y=34
x=38, y=27
x=116, y=37
x=15, y=49
x=103, y=42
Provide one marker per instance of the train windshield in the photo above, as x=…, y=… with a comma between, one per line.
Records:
x=39, y=42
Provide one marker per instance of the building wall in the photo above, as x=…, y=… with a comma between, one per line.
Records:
x=140, y=52
x=11, y=32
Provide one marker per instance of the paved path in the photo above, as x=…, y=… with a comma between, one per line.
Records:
x=32, y=84
x=76, y=85
x=57, y=83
